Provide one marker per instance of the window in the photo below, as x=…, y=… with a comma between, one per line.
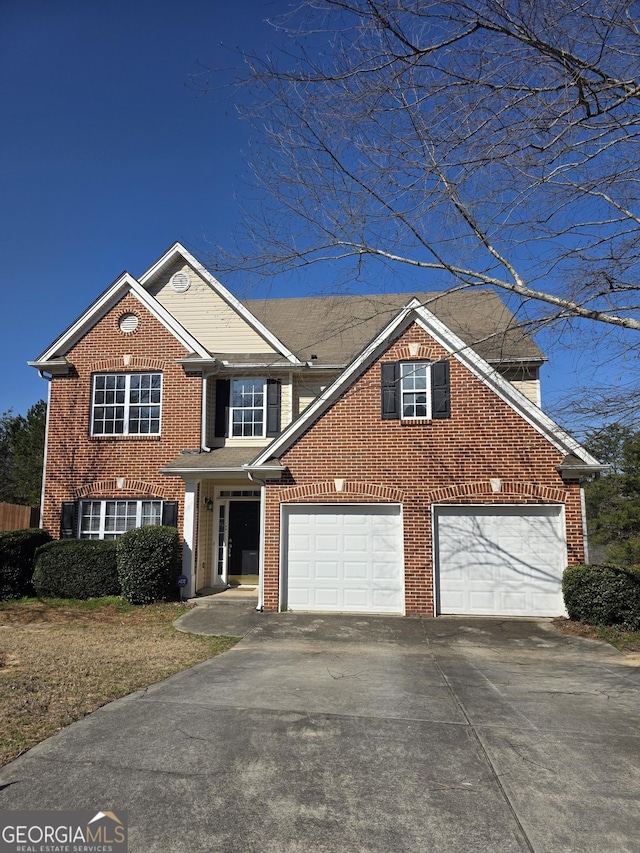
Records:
x=110, y=519
x=126, y=404
x=247, y=409
x=415, y=390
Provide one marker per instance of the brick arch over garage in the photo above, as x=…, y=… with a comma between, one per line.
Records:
x=497, y=491
x=342, y=490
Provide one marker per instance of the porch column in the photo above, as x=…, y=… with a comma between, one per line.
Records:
x=189, y=536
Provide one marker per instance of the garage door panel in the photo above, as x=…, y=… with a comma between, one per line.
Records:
x=365, y=544
x=383, y=570
x=325, y=543
x=356, y=598
x=325, y=571
x=355, y=544
x=357, y=571
x=500, y=560
x=325, y=598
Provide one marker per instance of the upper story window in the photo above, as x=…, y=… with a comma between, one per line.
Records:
x=126, y=404
x=415, y=390
x=247, y=412
x=247, y=407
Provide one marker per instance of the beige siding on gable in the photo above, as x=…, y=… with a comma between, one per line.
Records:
x=206, y=315
x=530, y=388
x=307, y=388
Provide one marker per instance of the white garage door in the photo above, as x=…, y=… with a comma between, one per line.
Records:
x=344, y=558
x=500, y=560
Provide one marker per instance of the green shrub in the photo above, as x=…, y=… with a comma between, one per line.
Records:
x=76, y=568
x=148, y=564
x=17, y=549
x=603, y=595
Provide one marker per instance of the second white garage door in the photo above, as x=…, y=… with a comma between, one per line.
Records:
x=500, y=560
x=345, y=558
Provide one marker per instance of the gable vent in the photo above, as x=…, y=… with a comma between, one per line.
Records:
x=128, y=323
x=180, y=282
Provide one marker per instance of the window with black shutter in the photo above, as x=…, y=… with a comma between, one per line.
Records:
x=415, y=390
x=247, y=407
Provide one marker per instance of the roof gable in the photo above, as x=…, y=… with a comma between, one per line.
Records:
x=125, y=283
x=460, y=350
x=208, y=310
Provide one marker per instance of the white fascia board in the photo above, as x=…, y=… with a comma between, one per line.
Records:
x=178, y=249
x=487, y=374
x=330, y=394
x=104, y=303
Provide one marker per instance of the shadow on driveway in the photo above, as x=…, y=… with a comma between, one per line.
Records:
x=357, y=733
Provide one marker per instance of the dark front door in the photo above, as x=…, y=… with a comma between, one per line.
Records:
x=244, y=541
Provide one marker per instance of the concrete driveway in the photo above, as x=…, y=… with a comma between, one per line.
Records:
x=356, y=733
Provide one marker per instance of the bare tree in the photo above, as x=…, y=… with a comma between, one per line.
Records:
x=490, y=142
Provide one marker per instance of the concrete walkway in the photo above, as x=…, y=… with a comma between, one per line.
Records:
x=357, y=733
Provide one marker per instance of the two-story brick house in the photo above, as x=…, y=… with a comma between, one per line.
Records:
x=381, y=453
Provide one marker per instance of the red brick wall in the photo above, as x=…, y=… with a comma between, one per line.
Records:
x=418, y=464
x=82, y=466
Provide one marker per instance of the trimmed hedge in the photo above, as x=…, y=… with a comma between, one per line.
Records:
x=17, y=550
x=148, y=564
x=77, y=568
x=603, y=595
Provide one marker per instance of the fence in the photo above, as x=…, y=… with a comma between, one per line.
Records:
x=15, y=517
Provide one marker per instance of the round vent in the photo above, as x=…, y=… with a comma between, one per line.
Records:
x=128, y=323
x=180, y=282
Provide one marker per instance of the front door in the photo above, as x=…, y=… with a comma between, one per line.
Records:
x=243, y=546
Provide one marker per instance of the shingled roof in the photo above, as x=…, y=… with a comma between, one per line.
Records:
x=337, y=328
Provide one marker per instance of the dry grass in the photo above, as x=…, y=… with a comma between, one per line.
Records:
x=61, y=660
x=627, y=642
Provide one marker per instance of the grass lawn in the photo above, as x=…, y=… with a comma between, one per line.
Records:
x=60, y=660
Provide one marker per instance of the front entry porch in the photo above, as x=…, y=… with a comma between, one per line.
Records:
x=234, y=538
x=223, y=519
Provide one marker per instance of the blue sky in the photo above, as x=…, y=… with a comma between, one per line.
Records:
x=110, y=153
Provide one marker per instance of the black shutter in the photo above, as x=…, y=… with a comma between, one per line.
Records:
x=68, y=520
x=440, y=392
x=273, y=406
x=390, y=373
x=223, y=389
x=170, y=513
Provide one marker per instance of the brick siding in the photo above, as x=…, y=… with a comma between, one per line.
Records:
x=417, y=464
x=82, y=466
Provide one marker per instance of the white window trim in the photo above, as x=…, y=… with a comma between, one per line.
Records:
x=113, y=534
x=126, y=405
x=427, y=391
x=233, y=408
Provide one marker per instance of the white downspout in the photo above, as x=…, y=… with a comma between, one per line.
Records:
x=204, y=414
x=585, y=537
x=46, y=447
x=263, y=528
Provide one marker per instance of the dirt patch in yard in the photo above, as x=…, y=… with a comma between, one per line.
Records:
x=626, y=642
x=59, y=661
